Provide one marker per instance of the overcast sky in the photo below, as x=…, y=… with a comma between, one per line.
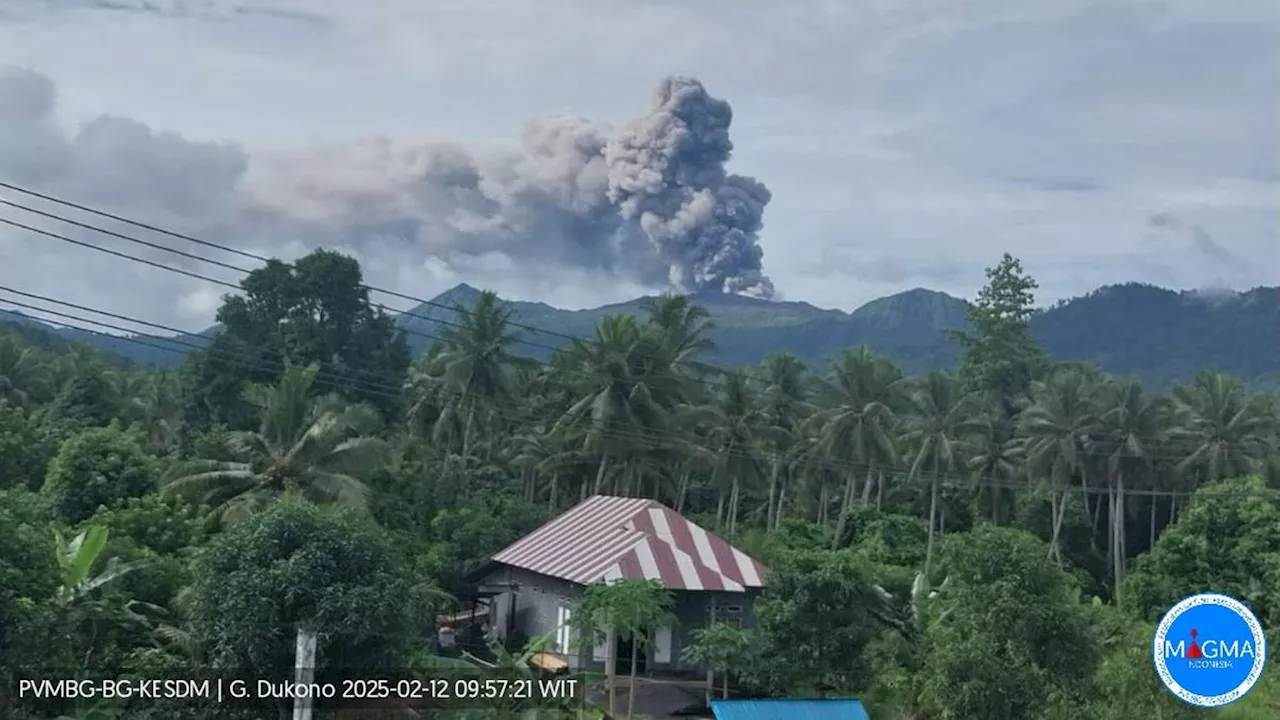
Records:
x=906, y=143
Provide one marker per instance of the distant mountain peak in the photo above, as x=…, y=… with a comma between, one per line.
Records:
x=460, y=293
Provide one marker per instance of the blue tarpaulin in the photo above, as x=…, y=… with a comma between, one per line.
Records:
x=818, y=709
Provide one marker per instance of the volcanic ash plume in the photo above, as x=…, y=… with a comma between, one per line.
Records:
x=650, y=201
x=667, y=173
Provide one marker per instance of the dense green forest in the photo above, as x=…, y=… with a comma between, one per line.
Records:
x=1163, y=335
x=995, y=542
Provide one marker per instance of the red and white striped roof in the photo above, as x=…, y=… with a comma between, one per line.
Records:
x=604, y=538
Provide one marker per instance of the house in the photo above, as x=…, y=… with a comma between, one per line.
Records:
x=814, y=709
x=534, y=586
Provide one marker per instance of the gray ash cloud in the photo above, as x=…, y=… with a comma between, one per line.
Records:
x=650, y=201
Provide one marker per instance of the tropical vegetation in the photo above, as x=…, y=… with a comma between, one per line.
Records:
x=995, y=542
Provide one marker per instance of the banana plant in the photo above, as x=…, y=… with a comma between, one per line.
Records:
x=912, y=619
x=77, y=559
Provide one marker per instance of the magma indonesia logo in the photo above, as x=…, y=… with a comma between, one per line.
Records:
x=1209, y=650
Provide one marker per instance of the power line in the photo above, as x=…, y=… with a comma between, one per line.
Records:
x=1096, y=448
x=1096, y=445
x=516, y=413
x=243, y=270
x=378, y=387
x=244, y=360
x=206, y=278
x=347, y=374
x=226, y=248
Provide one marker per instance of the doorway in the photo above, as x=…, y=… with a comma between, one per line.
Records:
x=626, y=642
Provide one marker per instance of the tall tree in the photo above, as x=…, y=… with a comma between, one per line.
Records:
x=632, y=608
x=785, y=404
x=1000, y=356
x=1056, y=429
x=1128, y=421
x=314, y=311
x=1223, y=430
x=476, y=364
x=857, y=421
x=736, y=431
x=943, y=416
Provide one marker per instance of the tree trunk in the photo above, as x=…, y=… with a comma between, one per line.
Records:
x=933, y=520
x=600, y=472
x=1084, y=495
x=631, y=696
x=1151, y=531
x=555, y=485
x=720, y=510
x=1053, y=514
x=1057, y=527
x=628, y=478
x=724, y=686
x=1122, y=551
x=850, y=484
x=782, y=503
x=734, y=497
x=1058, y=507
x=773, y=489
x=866, y=488
x=682, y=491
x=466, y=434
x=994, y=494
x=611, y=670
x=1111, y=530
x=879, y=489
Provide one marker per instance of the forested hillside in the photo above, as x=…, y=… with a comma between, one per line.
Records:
x=1162, y=335
x=993, y=542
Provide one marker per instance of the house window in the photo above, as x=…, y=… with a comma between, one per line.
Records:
x=662, y=645
x=733, y=622
x=734, y=610
x=564, y=616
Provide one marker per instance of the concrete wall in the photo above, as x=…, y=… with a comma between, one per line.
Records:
x=540, y=602
x=693, y=612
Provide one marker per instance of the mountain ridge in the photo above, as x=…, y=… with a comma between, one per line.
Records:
x=1164, y=335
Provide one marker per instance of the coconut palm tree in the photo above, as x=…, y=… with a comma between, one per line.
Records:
x=476, y=363
x=941, y=418
x=855, y=427
x=621, y=410
x=1224, y=431
x=785, y=404
x=1056, y=428
x=1128, y=421
x=316, y=448
x=735, y=428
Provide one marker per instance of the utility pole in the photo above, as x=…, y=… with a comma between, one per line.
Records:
x=304, y=672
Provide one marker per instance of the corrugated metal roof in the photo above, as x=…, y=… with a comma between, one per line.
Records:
x=604, y=538
x=818, y=709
